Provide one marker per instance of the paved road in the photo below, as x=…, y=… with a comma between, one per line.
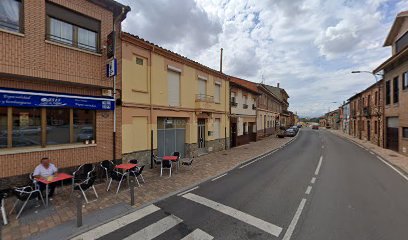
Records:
x=318, y=187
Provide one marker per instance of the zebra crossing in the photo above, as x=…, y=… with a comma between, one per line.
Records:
x=153, y=222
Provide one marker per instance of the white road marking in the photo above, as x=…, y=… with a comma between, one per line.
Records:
x=372, y=153
x=225, y=174
x=393, y=168
x=155, y=229
x=294, y=221
x=118, y=223
x=198, y=234
x=323, y=146
x=192, y=189
x=244, y=217
x=318, y=165
x=309, y=188
x=248, y=164
x=313, y=180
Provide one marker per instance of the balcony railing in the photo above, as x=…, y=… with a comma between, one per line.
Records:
x=245, y=106
x=204, y=98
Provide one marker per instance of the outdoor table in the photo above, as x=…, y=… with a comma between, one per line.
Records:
x=56, y=178
x=126, y=167
x=173, y=159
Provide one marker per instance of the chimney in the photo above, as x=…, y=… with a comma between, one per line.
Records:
x=277, y=85
x=221, y=60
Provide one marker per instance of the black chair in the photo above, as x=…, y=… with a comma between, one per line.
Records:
x=117, y=176
x=3, y=196
x=108, y=166
x=24, y=195
x=87, y=184
x=134, y=161
x=157, y=160
x=177, y=154
x=137, y=172
x=166, y=165
x=81, y=173
x=187, y=162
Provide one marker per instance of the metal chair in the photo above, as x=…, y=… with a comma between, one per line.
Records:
x=81, y=173
x=117, y=176
x=166, y=165
x=177, y=154
x=25, y=194
x=137, y=172
x=3, y=196
x=108, y=166
x=187, y=162
x=157, y=160
x=87, y=184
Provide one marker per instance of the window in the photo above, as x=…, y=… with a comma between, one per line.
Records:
x=217, y=128
x=173, y=88
x=84, y=125
x=387, y=92
x=26, y=127
x=395, y=90
x=202, y=86
x=58, y=126
x=401, y=43
x=368, y=100
x=74, y=29
x=11, y=15
x=405, y=80
x=405, y=132
x=376, y=98
x=375, y=127
x=3, y=127
x=217, y=93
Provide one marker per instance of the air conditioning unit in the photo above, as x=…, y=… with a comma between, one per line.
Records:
x=107, y=92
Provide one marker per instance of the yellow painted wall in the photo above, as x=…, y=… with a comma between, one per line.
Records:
x=136, y=135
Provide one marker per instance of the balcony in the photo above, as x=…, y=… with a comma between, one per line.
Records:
x=245, y=106
x=204, y=101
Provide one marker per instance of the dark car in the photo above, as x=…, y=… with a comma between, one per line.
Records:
x=290, y=132
x=316, y=127
x=295, y=128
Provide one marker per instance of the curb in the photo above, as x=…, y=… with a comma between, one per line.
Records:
x=402, y=171
x=87, y=228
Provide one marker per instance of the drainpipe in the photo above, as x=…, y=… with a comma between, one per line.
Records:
x=151, y=110
x=115, y=21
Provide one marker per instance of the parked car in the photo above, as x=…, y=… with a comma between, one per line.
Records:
x=316, y=127
x=295, y=128
x=290, y=132
x=280, y=133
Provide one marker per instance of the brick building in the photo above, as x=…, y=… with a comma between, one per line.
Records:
x=395, y=86
x=52, y=76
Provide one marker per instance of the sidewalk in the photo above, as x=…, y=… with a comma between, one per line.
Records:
x=394, y=158
x=37, y=220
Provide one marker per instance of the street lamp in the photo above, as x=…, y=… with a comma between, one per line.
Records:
x=378, y=103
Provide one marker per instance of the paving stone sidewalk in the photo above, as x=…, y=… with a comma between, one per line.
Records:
x=398, y=160
x=35, y=219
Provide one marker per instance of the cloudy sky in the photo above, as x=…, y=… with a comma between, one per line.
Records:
x=308, y=46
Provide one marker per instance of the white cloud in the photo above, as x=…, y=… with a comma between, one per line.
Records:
x=309, y=46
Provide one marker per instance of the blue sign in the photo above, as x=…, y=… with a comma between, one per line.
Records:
x=17, y=98
x=112, y=68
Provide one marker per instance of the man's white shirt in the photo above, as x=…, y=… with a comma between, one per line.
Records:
x=40, y=170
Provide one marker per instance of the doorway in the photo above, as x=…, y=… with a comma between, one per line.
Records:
x=392, y=137
x=368, y=131
x=233, y=134
x=201, y=133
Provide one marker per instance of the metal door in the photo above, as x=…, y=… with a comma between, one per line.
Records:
x=201, y=133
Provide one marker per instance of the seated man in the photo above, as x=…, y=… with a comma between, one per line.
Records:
x=45, y=170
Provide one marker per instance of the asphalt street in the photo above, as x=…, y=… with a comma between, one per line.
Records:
x=320, y=186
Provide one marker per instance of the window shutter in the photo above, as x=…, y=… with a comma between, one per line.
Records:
x=173, y=88
x=217, y=93
x=202, y=89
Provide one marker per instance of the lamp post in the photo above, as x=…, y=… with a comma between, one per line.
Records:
x=375, y=75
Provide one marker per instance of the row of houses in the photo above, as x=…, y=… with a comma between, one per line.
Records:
x=379, y=113
x=75, y=88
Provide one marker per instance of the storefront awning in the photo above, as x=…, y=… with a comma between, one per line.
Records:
x=22, y=98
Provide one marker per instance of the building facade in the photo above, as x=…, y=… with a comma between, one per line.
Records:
x=268, y=111
x=52, y=80
x=170, y=103
x=345, y=117
x=395, y=86
x=244, y=96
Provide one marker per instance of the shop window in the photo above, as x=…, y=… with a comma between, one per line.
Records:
x=84, y=128
x=3, y=127
x=11, y=15
x=58, y=126
x=26, y=127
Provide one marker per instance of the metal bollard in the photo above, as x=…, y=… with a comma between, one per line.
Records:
x=79, y=210
x=132, y=193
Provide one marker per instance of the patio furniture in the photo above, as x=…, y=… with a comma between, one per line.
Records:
x=53, y=179
x=87, y=184
x=119, y=176
x=81, y=173
x=177, y=154
x=137, y=172
x=24, y=195
x=166, y=164
x=3, y=196
x=108, y=166
x=187, y=162
x=157, y=160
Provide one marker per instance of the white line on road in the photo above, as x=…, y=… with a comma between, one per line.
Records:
x=155, y=229
x=198, y=234
x=294, y=221
x=323, y=146
x=313, y=180
x=318, y=165
x=225, y=174
x=309, y=188
x=371, y=153
x=248, y=164
x=192, y=189
x=118, y=223
x=393, y=168
x=244, y=217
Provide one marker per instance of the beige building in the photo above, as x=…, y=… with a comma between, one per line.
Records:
x=395, y=87
x=243, y=111
x=269, y=108
x=170, y=103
